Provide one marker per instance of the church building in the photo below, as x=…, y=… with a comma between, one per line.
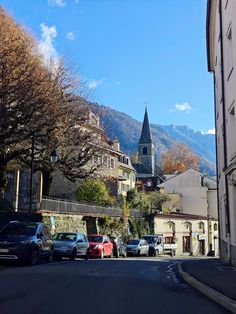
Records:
x=148, y=174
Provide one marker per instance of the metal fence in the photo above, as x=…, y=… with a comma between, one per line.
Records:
x=70, y=207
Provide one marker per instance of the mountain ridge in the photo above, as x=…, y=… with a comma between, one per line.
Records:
x=128, y=130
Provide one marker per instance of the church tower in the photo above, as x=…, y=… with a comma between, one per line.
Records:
x=145, y=146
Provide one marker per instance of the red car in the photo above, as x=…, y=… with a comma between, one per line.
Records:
x=100, y=246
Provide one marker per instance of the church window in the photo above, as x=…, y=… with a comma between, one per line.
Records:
x=145, y=151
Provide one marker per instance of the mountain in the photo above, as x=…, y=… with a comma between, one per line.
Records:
x=127, y=130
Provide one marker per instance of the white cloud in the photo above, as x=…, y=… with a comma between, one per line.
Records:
x=95, y=83
x=211, y=131
x=56, y=3
x=46, y=45
x=183, y=107
x=70, y=36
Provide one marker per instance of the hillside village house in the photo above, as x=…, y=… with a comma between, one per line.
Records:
x=114, y=167
x=221, y=53
x=193, y=220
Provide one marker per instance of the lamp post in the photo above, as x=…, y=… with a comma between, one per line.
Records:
x=31, y=174
x=53, y=159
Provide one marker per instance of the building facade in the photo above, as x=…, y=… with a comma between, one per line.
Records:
x=194, y=194
x=221, y=53
x=190, y=233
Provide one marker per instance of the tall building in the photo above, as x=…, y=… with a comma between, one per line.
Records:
x=221, y=53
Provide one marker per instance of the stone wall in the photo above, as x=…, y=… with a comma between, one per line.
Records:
x=66, y=222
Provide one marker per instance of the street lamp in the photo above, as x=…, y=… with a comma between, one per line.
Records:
x=53, y=156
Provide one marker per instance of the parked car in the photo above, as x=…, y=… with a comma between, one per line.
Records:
x=157, y=245
x=25, y=241
x=137, y=247
x=100, y=246
x=70, y=244
x=119, y=247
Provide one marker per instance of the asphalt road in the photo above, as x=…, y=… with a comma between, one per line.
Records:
x=110, y=286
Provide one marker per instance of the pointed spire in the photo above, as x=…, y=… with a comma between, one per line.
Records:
x=146, y=133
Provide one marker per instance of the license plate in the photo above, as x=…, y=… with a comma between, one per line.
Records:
x=4, y=250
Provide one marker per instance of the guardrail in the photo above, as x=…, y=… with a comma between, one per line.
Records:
x=70, y=207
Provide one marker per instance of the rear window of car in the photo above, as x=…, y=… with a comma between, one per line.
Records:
x=134, y=242
x=19, y=229
x=95, y=238
x=66, y=237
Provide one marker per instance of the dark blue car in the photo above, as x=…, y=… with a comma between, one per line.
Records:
x=26, y=242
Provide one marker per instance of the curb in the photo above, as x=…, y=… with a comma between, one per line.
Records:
x=211, y=293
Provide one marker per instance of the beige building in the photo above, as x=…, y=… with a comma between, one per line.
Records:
x=194, y=194
x=190, y=233
x=113, y=166
x=221, y=52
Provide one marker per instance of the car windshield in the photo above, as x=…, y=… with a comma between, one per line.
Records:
x=66, y=237
x=95, y=238
x=19, y=229
x=134, y=242
x=150, y=240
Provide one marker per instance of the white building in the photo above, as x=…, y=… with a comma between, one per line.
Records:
x=197, y=198
x=221, y=51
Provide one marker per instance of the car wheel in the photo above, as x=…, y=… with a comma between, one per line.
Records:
x=49, y=257
x=102, y=254
x=57, y=257
x=87, y=255
x=117, y=255
x=74, y=253
x=138, y=254
x=34, y=258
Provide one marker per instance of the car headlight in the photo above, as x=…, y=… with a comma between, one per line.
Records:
x=97, y=247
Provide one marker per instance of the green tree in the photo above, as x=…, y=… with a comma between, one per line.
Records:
x=158, y=199
x=93, y=191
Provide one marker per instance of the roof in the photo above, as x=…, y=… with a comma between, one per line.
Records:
x=141, y=168
x=146, y=133
x=181, y=216
x=182, y=173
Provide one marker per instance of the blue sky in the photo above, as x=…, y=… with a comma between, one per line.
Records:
x=130, y=52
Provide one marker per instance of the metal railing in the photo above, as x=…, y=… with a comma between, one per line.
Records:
x=72, y=207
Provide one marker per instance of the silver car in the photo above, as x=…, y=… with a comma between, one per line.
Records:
x=137, y=247
x=70, y=244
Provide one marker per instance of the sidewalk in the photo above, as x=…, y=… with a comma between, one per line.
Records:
x=213, y=278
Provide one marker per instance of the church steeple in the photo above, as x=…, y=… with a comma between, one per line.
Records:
x=146, y=147
x=145, y=134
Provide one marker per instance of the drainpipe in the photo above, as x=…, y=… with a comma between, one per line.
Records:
x=226, y=201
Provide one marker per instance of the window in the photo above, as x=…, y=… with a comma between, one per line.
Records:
x=112, y=163
x=229, y=53
x=169, y=240
x=215, y=227
x=145, y=151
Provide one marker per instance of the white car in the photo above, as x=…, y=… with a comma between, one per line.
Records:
x=137, y=247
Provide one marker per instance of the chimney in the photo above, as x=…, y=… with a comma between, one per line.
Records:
x=116, y=145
